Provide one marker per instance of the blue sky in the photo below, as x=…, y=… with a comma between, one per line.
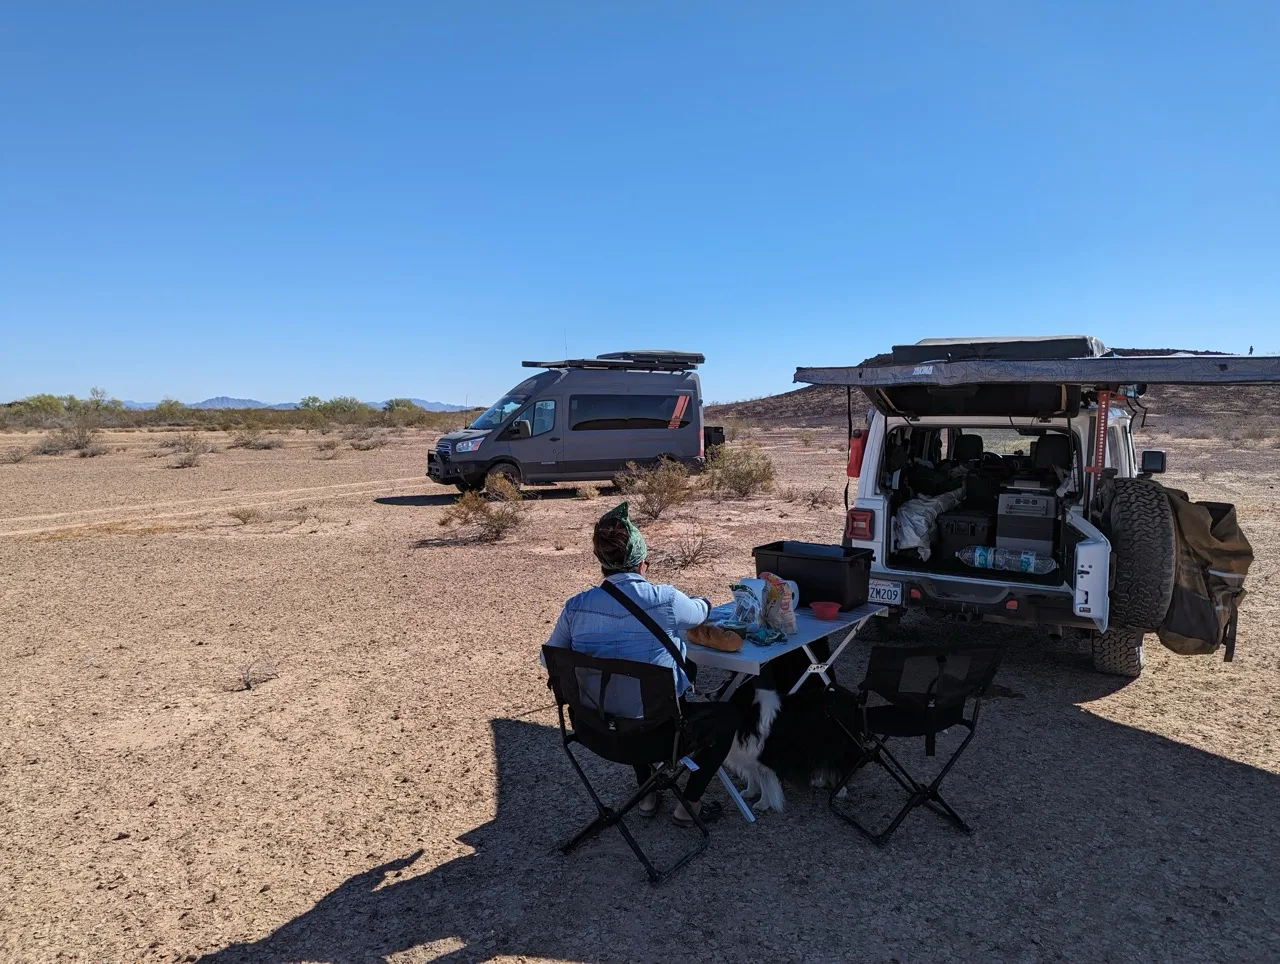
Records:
x=274, y=199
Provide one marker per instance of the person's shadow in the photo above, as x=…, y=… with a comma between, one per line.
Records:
x=1092, y=839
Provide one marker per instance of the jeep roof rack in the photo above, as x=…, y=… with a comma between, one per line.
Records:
x=638, y=361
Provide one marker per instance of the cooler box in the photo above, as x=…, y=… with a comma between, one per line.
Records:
x=821, y=572
x=1026, y=520
x=964, y=527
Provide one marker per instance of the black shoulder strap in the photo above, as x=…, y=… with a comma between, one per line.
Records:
x=631, y=606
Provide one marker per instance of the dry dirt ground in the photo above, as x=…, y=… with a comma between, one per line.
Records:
x=390, y=785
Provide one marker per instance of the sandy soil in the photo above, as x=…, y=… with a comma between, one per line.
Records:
x=391, y=786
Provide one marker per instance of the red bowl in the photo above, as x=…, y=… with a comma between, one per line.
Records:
x=825, y=610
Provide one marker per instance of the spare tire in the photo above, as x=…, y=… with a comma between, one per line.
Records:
x=1143, y=543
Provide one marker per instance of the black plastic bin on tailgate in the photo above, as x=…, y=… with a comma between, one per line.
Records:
x=822, y=573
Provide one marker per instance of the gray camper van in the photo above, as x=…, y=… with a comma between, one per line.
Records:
x=581, y=420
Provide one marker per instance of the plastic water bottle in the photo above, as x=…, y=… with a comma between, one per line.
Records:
x=1011, y=560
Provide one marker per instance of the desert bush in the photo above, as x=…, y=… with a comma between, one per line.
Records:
x=328, y=455
x=15, y=454
x=740, y=471
x=1256, y=430
x=588, y=493
x=654, y=488
x=820, y=498
x=807, y=437
x=186, y=460
x=327, y=445
x=689, y=550
x=252, y=671
x=92, y=450
x=52, y=444
x=502, y=489
x=254, y=438
x=736, y=429
x=188, y=442
x=369, y=443
x=247, y=515
x=486, y=519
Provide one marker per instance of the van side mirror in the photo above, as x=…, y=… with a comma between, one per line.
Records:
x=519, y=429
x=1152, y=461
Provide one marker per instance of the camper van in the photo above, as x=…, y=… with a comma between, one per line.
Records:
x=581, y=420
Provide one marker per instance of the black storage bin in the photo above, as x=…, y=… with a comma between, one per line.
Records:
x=822, y=573
x=964, y=527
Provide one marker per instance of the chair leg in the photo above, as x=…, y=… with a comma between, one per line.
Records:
x=918, y=793
x=664, y=778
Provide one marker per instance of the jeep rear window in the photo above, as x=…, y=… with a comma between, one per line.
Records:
x=597, y=413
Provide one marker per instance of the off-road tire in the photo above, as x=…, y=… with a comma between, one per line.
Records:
x=465, y=487
x=505, y=469
x=1140, y=524
x=1118, y=652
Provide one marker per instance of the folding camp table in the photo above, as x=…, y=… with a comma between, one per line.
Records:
x=749, y=660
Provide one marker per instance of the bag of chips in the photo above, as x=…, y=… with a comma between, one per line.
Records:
x=779, y=595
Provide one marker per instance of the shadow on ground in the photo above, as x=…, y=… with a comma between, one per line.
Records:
x=1092, y=840
x=448, y=498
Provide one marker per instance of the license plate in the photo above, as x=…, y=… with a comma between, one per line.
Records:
x=885, y=593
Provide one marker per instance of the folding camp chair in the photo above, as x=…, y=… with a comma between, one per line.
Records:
x=625, y=712
x=926, y=689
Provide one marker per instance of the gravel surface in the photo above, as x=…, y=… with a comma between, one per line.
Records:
x=321, y=734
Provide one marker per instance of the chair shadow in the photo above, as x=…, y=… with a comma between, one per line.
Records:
x=1097, y=839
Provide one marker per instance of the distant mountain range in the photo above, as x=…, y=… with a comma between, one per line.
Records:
x=222, y=401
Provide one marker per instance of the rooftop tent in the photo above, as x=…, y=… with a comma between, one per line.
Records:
x=1004, y=376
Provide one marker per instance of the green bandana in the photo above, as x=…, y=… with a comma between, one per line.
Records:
x=636, y=551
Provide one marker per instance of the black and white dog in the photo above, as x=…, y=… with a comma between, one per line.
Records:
x=789, y=738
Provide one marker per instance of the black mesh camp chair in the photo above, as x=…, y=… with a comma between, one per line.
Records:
x=926, y=689
x=603, y=697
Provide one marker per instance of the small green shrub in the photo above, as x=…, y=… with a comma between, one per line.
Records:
x=656, y=488
x=740, y=471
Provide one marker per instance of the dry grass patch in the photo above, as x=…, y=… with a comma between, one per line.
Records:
x=186, y=460
x=14, y=454
x=92, y=451
x=247, y=515
x=588, y=493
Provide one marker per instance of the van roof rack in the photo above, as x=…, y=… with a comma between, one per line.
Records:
x=638, y=361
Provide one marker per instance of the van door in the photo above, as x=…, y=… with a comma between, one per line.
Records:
x=1092, y=573
x=539, y=453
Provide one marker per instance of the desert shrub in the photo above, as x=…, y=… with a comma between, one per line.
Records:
x=740, y=471
x=807, y=436
x=820, y=498
x=252, y=671
x=15, y=454
x=328, y=455
x=327, y=445
x=654, y=488
x=736, y=429
x=502, y=489
x=247, y=515
x=255, y=438
x=1256, y=430
x=52, y=444
x=188, y=442
x=92, y=450
x=486, y=519
x=369, y=443
x=689, y=550
x=186, y=460
x=588, y=493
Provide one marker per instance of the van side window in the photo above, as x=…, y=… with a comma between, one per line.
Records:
x=544, y=416
x=595, y=413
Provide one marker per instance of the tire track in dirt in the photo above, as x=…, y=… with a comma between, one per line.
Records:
x=147, y=511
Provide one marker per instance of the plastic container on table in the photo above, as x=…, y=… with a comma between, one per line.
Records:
x=824, y=609
x=836, y=573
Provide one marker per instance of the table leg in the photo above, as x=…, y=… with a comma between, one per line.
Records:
x=743, y=807
x=820, y=669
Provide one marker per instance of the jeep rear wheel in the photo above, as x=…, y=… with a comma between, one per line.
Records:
x=1140, y=521
x=1118, y=652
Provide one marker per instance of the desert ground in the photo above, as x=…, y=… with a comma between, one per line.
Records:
x=318, y=731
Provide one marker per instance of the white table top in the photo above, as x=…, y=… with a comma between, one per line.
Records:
x=809, y=629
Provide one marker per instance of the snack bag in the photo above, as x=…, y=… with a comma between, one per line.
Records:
x=746, y=607
x=778, y=612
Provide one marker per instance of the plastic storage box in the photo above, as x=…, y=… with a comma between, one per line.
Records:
x=821, y=572
x=962, y=527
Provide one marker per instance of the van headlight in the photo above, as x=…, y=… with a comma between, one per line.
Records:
x=470, y=445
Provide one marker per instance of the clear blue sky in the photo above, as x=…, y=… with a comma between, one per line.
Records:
x=277, y=199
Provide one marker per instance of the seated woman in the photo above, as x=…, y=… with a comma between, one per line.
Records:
x=595, y=623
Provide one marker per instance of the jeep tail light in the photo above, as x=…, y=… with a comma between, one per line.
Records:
x=860, y=524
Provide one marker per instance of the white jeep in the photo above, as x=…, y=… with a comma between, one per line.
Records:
x=1022, y=445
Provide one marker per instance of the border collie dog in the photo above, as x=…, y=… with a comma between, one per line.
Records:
x=788, y=738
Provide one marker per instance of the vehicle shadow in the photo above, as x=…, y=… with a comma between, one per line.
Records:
x=448, y=498
x=1093, y=840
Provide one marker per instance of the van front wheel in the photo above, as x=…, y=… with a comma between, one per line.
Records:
x=1118, y=652
x=503, y=470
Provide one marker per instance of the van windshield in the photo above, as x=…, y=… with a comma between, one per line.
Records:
x=499, y=411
